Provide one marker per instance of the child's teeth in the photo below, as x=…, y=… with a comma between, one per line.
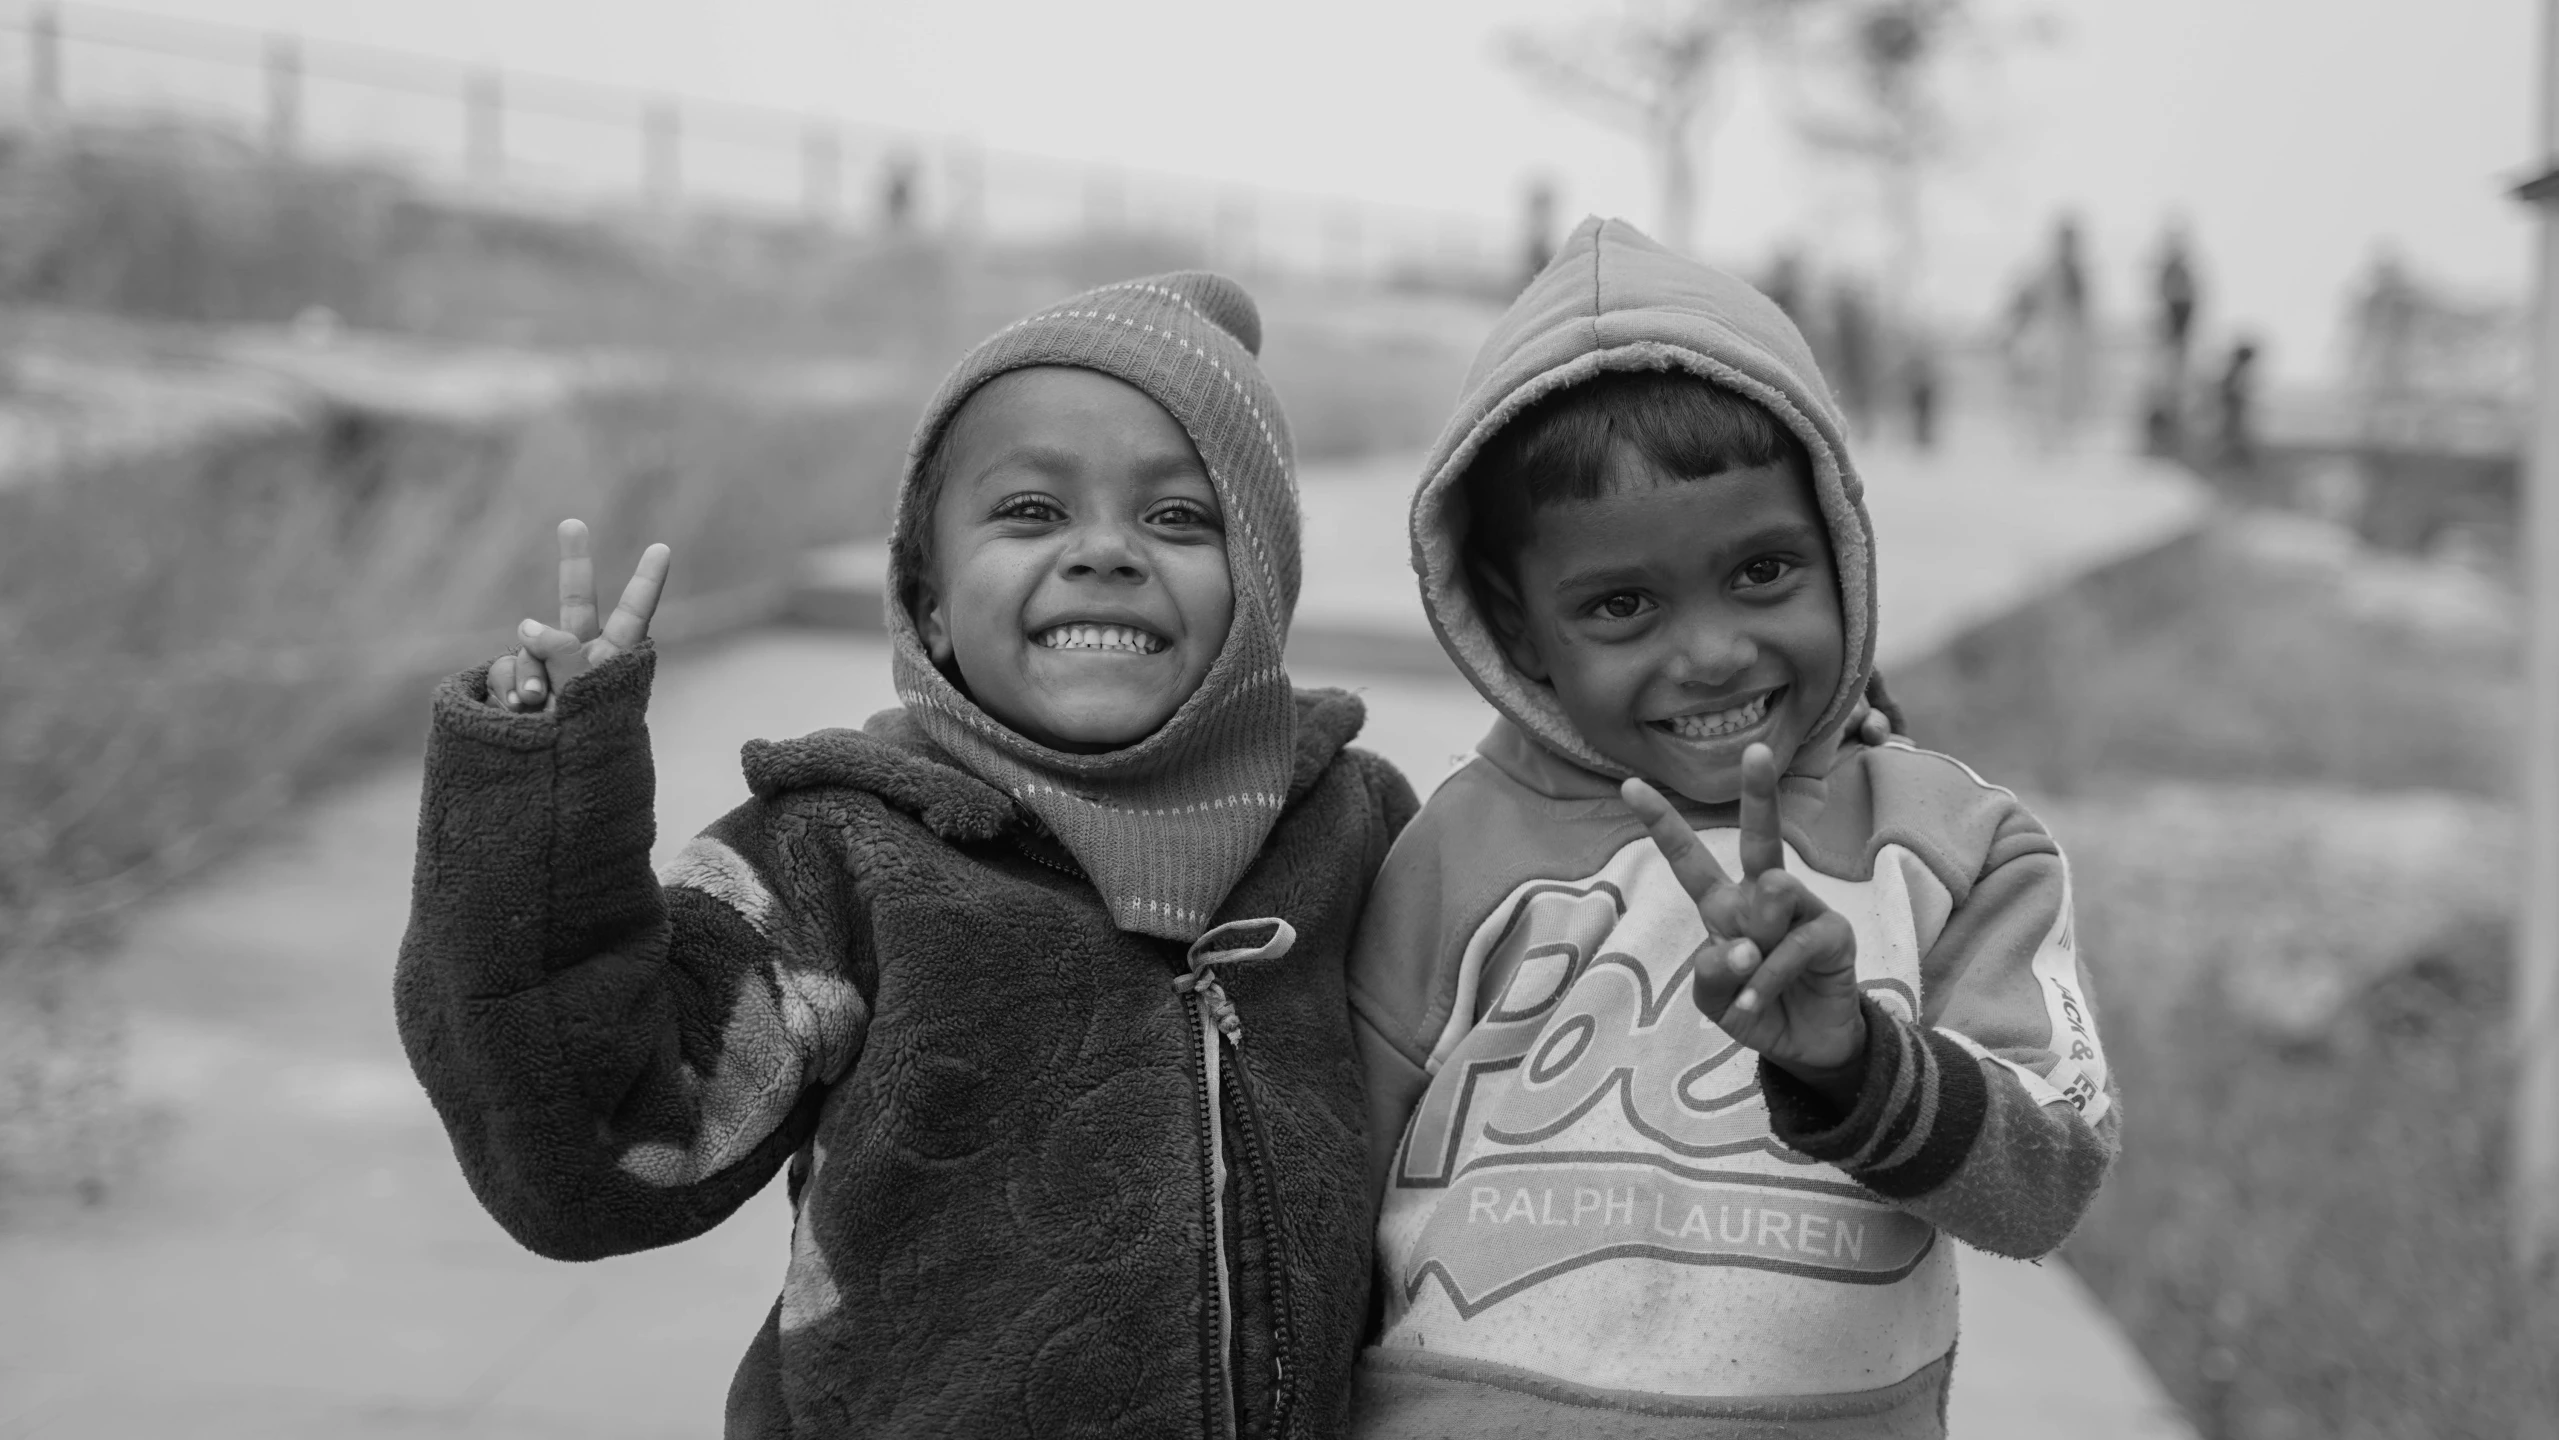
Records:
x=1721, y=722
x=1100, y=637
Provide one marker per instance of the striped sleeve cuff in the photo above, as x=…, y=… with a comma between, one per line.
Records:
x=1917, y=1114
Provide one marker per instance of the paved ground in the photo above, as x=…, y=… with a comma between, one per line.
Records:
x=295, y=1254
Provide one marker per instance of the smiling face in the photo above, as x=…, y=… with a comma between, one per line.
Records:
x=1078, y=583
x=1680, y=621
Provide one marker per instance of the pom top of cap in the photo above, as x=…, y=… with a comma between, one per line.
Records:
x=1222, y=302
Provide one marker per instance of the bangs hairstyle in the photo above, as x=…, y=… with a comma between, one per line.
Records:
x=1558, y=449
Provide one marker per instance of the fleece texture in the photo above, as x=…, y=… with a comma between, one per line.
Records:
x=1600, y=1215
x=1612, y=299
x=1165, y=826
x=1024, y=1203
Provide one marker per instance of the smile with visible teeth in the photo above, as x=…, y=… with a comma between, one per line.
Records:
x=1720, y=722
x=1099, y=637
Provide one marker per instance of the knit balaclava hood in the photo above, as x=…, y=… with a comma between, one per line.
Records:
x=1612, y=299
x=1164, y=827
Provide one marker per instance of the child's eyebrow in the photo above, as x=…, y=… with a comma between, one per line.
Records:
x=1781, y=532
x=1796, y=534
x=1059, y=463
x=1596, y=576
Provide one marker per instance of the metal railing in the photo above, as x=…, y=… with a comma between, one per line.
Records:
x=501, y=136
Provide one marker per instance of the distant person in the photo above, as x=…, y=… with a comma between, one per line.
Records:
x=2178, y=294
x=897, y=192
x=1921, y=382
x=1033, y=988
x=2238, y=397
x=2386, y=323
x=1697, y=1027
x=1785, y=285
x=1537, y=229
x=1853, y=357
x=2073, y=340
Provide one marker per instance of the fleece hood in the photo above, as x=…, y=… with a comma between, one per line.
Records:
x=1613, y=299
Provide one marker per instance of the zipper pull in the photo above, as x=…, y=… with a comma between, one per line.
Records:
x=1232, y=943
x=1201, y=985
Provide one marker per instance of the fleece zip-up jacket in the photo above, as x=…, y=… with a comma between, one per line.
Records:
x=1046, y=1178
x=1600, y=1216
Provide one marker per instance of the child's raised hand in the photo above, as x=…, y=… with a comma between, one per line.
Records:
x=1778, y=971
x=530, y=677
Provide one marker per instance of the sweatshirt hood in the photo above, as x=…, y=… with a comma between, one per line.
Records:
x=1613, y=299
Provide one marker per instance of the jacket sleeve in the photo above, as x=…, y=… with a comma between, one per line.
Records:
x=620, y=1063
x=1993, y=1117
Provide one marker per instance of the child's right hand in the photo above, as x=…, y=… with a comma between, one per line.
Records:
x=529, y=678
x=1778, y=971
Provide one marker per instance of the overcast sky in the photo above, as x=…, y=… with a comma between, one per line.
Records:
x=2294, y=135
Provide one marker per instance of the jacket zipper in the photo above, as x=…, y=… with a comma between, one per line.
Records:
x=1277, y=1299
x=1212, y=1089
x=1219, y=1039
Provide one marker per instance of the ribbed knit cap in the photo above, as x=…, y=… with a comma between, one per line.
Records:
x=1164, y=827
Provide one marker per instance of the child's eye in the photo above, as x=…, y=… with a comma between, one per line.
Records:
x=1767, y=570
x=1029, y=507
x=1624, y=605
x=1184, y=513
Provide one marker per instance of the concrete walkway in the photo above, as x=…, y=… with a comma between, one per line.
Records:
x=295, y=1255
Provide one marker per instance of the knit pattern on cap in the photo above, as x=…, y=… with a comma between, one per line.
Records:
x=1165, y=827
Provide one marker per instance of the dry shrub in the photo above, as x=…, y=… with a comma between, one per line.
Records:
x=188, y=640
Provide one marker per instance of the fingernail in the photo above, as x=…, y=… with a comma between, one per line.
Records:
x=1743, y=958
x=532, y=686
x=1747, y=1000
x=530, y=629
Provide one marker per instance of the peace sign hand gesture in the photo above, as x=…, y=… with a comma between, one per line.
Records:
x=530, y=677
x=1778, y=970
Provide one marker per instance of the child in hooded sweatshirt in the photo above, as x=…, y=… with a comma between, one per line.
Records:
x=1694, y=1025
x=1033, y=987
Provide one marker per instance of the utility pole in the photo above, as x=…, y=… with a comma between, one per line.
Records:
x=2535, y=1199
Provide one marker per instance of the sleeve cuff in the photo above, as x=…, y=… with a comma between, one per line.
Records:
x=619, y=686
x=1919, y=1110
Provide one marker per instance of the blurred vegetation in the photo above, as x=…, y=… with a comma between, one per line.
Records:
x=2281, y=768
x=187, y=641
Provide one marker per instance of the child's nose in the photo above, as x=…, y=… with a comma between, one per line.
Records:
x=1104, y=550
x=1707, y=655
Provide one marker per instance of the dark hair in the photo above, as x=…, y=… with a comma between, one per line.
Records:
x=1558, y=449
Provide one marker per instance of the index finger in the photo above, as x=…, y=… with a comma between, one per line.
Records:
x=628, y=625
x=1762, y=848
x=1689, y=859
x=577, y=581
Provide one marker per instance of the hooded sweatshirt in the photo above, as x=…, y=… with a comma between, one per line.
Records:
x=1601, y=1216
x=1059, y=1164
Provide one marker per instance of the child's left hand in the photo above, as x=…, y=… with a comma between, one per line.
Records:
x=1778, y=971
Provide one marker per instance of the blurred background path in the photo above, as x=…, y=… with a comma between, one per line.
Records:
x=316, y=315
x=293, y=1252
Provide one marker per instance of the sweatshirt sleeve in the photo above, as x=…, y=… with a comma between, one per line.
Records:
x=1401, y=971
x=619, y=1063
x=1993, y=1117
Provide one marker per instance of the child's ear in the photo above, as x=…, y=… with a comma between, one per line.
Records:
x=931, y=625
x=1508, y=620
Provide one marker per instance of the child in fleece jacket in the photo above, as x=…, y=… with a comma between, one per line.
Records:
x=1034, y=987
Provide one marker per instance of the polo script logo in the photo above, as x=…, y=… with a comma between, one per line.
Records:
x=1582, y=1024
